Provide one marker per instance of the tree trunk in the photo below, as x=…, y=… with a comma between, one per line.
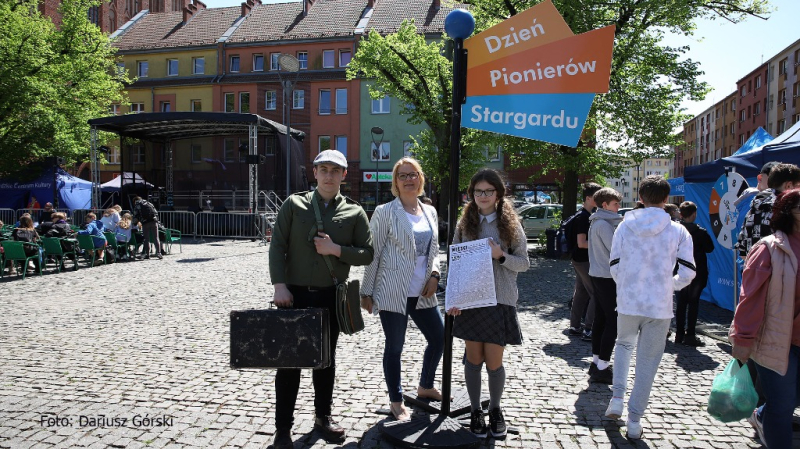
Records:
x=570, y=196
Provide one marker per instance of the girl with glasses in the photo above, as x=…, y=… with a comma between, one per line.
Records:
x=402, y=279
x=487, y=330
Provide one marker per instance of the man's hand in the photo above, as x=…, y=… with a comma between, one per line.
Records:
x=325, y=246
x=455, y=311
x=430, y=287
x=497, y=252
x=283, y=297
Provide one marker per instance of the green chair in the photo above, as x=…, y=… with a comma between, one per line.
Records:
x=86, y=243
x=172, y=236
x=15, y=252
x=111, y=238
x=53, y=248
x=129, y=247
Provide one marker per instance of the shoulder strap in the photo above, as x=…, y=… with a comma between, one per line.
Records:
x=320, y=228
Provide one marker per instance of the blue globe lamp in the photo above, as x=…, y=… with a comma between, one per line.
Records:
x=459, y=24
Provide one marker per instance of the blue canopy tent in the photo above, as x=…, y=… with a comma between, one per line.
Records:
x=715, y=186
x=73, y=193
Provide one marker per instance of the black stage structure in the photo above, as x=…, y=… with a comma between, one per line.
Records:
x=167, y=127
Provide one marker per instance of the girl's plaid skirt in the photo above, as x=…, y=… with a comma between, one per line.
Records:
x=497, y=324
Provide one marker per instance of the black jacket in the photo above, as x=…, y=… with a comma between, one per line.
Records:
x=702, y=243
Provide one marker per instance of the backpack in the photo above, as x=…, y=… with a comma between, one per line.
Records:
x=148, y=211
x=565, y=238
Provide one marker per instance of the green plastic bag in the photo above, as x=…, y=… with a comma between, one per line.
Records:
x=733, y=396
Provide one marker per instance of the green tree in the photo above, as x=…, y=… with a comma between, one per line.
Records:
x=51, y=82
x=634, y=120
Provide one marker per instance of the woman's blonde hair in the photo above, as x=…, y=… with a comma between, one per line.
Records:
x=117, y=208
x=59, y=216
x=125, y=221
x=109, y=212
x=414, y=163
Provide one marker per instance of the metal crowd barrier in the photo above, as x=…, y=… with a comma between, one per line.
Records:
x=223, y=224
x=35, y=213
x=8, y=216
x=180, y=220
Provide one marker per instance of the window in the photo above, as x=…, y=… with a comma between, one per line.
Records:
x=344, y=58
x=120, y=69
x=271, y=100
x=270, y=145
x=172, y=67
x=141, y=69
x=196, y=106
x=324, y=101
x=757, y=109
x=298, y=99
x=328, y=59
x=493, y=154
x=733, y=105
x=230, y=102
x=113, y=156
x=324, y=143
x=758, y=81
x=733, y=128
x=341, y=145
x=165, y=106
x=138, y=153
x=383, y=154
x=258, y=63
x=137, y=108
x=741, y=139
x=244, y=102
x=114, y=109
x=741, y=115
x=229, y=148
x=407, y=148
x=197, y=153
x=782, y=66
x=781, y=126
x=302, y=58
x=341, y=101
x=381, y=106
x=796, y=118
x=274, y=62
x=782, y=96
x=744, y=91
x=198, y=66
x=234, y=64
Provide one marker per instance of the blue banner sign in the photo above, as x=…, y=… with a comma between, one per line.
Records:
x=554, y=118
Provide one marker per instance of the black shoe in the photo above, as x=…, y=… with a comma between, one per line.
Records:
x=693, y=341
x=572, y=332
x=283, y=439
x=497, y=424
x=587, y=335
x=160, y=257
x=331, y=432
x=592, y=369
x=603, y=376
x=477, y=425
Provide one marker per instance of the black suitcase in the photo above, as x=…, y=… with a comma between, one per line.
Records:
x=280, y=338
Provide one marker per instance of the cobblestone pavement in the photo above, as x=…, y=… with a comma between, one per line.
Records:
x=136, y=355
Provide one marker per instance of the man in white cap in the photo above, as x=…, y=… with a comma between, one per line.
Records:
x=301, y=279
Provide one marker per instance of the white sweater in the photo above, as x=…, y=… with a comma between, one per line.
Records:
x=645, y=249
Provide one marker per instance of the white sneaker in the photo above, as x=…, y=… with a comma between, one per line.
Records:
x=756, y=423
x=634, y=431
x=614, y=410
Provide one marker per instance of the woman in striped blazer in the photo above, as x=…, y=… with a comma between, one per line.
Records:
x=402, y=280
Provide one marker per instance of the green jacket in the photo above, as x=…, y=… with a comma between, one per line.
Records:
x=293, y=258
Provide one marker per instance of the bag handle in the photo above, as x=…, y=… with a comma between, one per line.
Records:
x=320, y=228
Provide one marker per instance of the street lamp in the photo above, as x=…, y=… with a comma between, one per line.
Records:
x=289, y=64
x=377, y=140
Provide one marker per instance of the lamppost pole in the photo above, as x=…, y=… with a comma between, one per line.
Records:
x=377, y=131
x=289, y=64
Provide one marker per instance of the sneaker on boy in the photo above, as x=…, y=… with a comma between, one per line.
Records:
x=646, y=247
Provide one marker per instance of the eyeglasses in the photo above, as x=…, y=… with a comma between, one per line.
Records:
x=403, y=176
x=487, y=192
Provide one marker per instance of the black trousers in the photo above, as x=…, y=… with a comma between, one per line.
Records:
x=689, y=300
x=604, y=329
x=287, y=381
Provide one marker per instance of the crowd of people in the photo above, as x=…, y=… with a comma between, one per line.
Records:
x=142, y=228
x=631, y=273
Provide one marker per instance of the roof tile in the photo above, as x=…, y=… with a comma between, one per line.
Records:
x=166, y=29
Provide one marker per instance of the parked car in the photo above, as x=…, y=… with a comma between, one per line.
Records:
x=538, y=217
x=623, y=210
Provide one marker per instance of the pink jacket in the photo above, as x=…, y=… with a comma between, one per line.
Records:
x=763, y=323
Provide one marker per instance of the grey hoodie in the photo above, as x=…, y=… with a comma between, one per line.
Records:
x=646, y=246
x=602, y=224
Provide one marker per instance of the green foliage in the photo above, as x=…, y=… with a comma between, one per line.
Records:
x=51, y=82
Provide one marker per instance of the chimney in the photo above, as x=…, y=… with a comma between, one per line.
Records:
x=188, y=12
x=246, y=8
x=371, y=3
x=437, y=4
x=307, y=6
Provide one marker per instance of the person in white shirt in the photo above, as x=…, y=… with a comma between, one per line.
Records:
x=402, y=279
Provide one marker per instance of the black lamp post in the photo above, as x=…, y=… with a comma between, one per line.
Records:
x=377, y=140
x=288, y=65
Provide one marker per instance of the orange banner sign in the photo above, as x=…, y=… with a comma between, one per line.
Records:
x=529, y=29
x=578, y=64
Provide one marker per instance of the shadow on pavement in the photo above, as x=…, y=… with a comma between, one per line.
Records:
x=573, y=352
x=690, y=359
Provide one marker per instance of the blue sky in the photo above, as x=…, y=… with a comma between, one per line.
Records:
x=727, y=52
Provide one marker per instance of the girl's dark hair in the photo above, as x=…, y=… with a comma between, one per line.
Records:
x=25, y=222
x=507, y=220
x=782, y=216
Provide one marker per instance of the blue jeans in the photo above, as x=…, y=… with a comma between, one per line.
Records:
x=430, y=323
x=783, y=395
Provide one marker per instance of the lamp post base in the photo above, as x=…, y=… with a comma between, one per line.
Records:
x=460, y=404
x=429, y=432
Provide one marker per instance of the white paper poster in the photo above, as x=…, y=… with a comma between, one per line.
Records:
x=470, y=276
